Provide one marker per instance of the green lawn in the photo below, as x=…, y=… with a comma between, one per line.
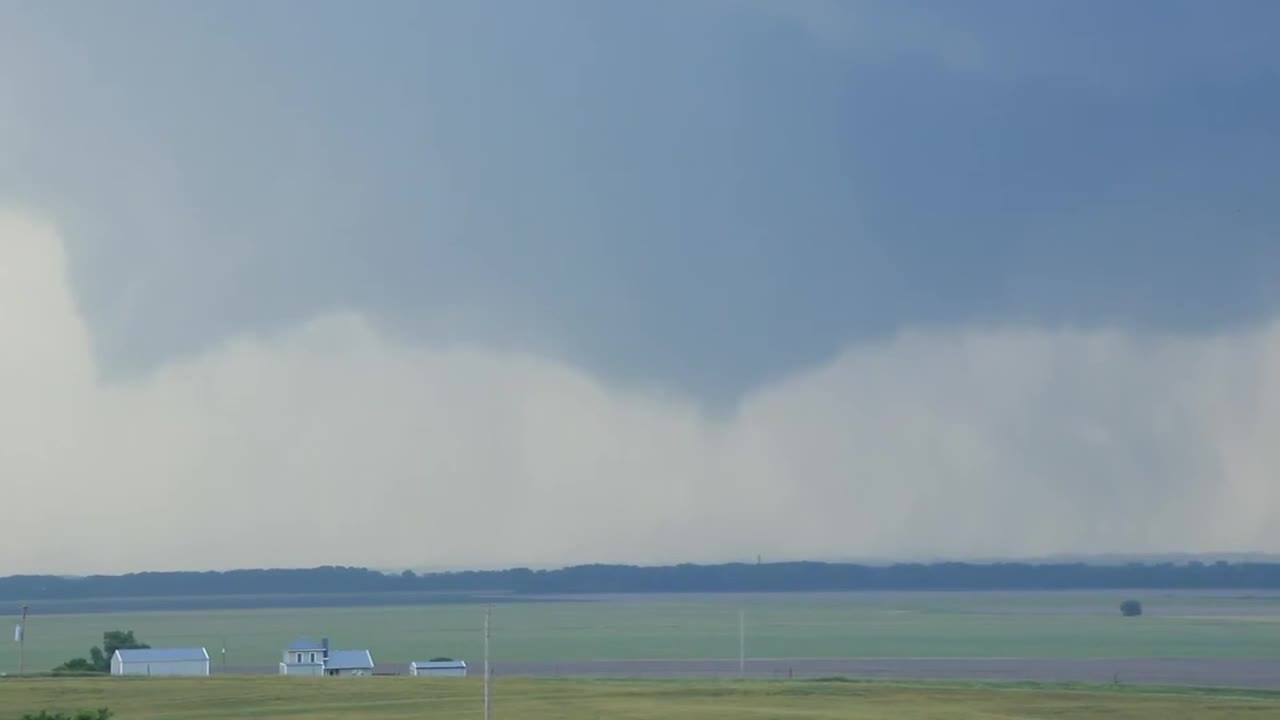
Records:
x=868, y=625
x=404, y=697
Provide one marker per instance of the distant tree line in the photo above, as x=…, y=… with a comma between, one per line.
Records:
x=767, y=577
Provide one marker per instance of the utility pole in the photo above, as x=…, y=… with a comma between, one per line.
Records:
x=22, y=641
x=742, y=643
x=488, y=710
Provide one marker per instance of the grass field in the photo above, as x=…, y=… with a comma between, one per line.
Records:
x=403, y=697
x=1066, y=625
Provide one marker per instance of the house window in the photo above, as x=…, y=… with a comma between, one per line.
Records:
x=299, y=658
x=313, y=657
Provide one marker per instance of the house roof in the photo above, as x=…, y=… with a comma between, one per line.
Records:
x=349, y=660
x=305, y=644
x=162, y=655
x=440, y=665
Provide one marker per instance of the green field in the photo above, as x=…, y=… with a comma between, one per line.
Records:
x=1062, y=625
x=403, y=697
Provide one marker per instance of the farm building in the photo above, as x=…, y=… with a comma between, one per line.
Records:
x=439, y=668
x=308, y=657
x=349, y=662
x=160, y=661
x=305, y=656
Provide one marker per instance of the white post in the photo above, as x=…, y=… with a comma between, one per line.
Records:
x=22, y=642
x=487, y=709
x=742, y=644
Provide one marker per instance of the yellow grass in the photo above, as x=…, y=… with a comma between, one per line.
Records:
x=391, y=698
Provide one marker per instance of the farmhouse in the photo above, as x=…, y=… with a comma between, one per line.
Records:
x=305, y=656
x=308, y=657
x=438, y=668
x=160, y=661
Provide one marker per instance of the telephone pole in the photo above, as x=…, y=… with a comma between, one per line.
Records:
x=488, y=709
x=742, y=643
x=22, y=641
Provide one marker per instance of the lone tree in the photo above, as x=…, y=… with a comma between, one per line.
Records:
x=1131, y=608
x=100, y=657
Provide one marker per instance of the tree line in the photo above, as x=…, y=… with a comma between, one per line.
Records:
x=732, y=577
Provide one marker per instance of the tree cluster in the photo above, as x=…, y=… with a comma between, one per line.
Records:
x=99, y=660
x=1131, y=608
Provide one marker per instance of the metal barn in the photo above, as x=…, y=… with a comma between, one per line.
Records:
x=349, y=662
x=160, y=662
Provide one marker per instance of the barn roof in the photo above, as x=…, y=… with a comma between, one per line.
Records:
x=145, y=655
x=305, y=643
x=440, y=665
x=349, y=660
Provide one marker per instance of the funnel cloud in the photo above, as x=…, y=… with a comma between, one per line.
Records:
x=332, y=443
x=446, y=284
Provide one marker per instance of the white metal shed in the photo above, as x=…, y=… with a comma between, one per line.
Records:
x=439, y=668
x=349, y=662
x=160, y=661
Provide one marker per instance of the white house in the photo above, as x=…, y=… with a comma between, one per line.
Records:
x=305, y=657
x=438, y=668
x=308, y=657
x=160, y=661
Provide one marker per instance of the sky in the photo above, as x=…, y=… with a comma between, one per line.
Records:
x=446, y=284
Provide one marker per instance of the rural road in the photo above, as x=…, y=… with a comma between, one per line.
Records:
x=1240, y=673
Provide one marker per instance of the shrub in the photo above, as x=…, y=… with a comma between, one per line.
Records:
x=76, y=666
x=99, y=714
x=1131, y=608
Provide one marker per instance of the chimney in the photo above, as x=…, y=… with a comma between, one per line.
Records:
x=324, y=643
